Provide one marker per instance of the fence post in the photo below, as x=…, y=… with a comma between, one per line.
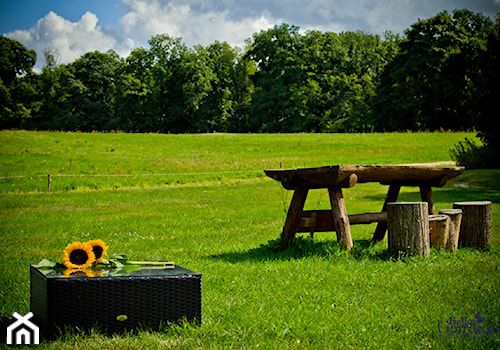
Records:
x=49, y=182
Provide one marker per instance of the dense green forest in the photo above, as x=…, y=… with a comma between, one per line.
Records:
x=441, y=74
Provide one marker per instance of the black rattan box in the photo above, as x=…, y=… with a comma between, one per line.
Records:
x=124, y=301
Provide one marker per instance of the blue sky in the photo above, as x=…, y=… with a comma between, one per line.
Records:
x=69, y=28
x=23, y=14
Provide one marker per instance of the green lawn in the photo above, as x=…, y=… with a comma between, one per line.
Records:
x=82, y=161
x=204, y=202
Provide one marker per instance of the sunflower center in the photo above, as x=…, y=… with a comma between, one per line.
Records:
x=97, y=251
x=78, y=257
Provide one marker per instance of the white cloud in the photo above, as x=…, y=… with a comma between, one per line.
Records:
x=195, y=22
x=147, y=18
x=204, y=21
x=69, y=40
x=150, y=17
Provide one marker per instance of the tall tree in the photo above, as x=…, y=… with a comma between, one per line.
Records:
x=432, y=83
x=167, y=95
x=243, y=90
x=134, y=93
x=48, y=107
x=95, y=76
x=343, y=70
x=16, y=63
x=220, y=105
x=489, y=117
x=276, y=52
x=15, y=60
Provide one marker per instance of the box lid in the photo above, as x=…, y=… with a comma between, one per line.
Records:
x=141, y=271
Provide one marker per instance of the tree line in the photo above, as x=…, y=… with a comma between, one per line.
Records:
x=441, y=74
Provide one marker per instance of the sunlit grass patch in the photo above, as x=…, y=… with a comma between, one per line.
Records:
x=255, y=295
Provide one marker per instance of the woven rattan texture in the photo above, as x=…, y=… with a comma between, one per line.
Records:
x=117, y=304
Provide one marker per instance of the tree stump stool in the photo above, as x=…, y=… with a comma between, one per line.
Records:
x=408, y=228
x=475, y=228
x=439, y=226
x=455, y=216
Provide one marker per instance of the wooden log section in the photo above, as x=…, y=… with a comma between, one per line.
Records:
x=367, y=218
x=349, y=181
x=392, y=196
x=329, y=176
x=322, y=220
x=439, y=226
x=293, y=215
x=426, y=196
x=475, y=228
x=408, y=228
x=455, y=216
x=340, y=218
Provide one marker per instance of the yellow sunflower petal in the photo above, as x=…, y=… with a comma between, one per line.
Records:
x=78, y=255
x=99, y=248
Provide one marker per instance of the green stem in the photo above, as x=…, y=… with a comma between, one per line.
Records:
x=151, y=263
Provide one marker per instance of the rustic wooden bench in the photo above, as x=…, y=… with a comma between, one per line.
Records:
x=334, y=178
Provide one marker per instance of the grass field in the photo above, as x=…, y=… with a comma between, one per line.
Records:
x=204, y=202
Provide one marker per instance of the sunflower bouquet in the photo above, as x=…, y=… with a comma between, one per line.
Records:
x=88, y=259
x=78, y=255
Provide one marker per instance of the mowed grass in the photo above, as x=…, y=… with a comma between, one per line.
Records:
x=86, y=161
x=211, y=209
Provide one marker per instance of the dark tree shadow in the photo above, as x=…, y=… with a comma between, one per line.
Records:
x=472, y=185
x=456, y=193
x=301, y=247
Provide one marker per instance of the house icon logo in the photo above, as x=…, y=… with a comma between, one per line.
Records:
x=23, y=331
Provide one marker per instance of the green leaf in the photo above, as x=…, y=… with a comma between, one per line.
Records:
x=119, y=257
x=45, y=264
x=117, y=263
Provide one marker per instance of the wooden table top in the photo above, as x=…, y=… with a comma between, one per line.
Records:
x=339, y=175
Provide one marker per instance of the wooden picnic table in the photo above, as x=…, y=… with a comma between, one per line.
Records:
x=334, y=178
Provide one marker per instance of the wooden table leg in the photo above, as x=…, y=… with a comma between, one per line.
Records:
x=392, y=196
x=294, y=214
x=426, y=195
x=340, y=218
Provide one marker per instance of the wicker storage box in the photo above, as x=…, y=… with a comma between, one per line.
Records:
x=142, y=298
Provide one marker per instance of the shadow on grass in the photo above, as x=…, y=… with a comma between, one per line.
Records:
x=472, y=185
x=301, y=247
x=4, y=323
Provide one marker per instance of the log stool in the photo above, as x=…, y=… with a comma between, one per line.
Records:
x=475, y=229
x=439, y=227
x=408, y=228
x=455, y=216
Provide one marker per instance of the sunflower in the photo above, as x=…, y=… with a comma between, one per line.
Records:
x=99, y=249
x=78, y=255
